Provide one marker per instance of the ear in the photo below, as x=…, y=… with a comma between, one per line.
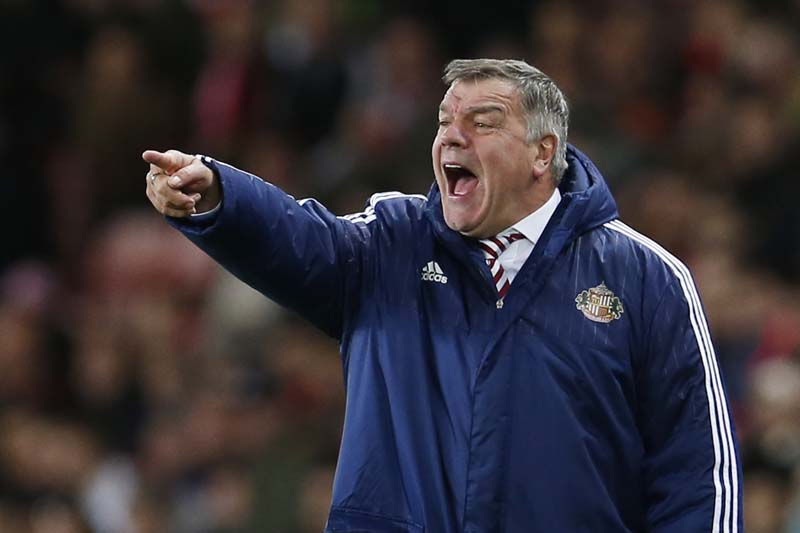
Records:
x=543, y=153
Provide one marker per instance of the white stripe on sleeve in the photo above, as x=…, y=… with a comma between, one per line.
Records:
x=718, y=412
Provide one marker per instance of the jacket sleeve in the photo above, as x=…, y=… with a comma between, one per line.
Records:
x=692, y=473
x=296, y=253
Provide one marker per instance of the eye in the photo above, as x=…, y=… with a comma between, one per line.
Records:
x=443, y=123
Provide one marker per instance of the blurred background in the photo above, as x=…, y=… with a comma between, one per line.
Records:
x=143, y=390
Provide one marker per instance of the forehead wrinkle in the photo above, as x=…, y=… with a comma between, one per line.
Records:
x=503, y=97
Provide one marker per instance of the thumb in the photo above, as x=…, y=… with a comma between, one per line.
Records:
x=170, y=161
x=195, y=177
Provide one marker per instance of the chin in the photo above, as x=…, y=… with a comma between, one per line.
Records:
x=460, y=227
x=463, y=219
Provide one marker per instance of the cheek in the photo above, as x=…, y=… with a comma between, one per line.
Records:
x=507, y=170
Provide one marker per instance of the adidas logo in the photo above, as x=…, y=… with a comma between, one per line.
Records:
x=433, y=272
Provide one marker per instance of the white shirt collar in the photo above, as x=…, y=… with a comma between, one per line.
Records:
x=533, y=225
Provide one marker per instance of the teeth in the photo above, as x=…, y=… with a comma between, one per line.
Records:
x=452, y=166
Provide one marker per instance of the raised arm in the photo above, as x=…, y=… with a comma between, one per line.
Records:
x=297, y=253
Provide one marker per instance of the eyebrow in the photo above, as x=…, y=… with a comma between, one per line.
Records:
x=488, y=108
x=477, y=110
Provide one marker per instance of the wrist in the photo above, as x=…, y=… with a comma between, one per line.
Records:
x=211, y=198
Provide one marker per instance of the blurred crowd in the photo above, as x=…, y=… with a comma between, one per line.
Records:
x=142, y=389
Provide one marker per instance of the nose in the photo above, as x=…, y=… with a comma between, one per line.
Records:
x=453, y=135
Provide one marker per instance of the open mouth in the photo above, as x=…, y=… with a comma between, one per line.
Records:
x=460, y=180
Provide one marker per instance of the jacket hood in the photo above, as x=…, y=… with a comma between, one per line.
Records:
x=586, y=201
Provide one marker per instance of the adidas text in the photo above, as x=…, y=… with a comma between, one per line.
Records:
x=433, y=272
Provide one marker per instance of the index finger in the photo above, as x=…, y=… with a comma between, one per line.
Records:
x=170, y=161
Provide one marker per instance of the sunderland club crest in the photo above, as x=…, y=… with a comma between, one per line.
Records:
x=599, y=304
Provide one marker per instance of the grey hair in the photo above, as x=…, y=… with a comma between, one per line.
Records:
x=544, y=103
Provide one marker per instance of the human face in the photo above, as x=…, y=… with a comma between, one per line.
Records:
x=487, y=171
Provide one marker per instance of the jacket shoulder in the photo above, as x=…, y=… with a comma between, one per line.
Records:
x=389, y=206
x=657, y=266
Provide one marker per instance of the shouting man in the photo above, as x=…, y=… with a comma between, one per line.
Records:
x=516, y=359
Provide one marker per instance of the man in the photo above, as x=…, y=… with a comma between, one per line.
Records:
x=516, y=359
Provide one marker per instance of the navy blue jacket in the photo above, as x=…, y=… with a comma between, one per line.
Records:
x=589, y=399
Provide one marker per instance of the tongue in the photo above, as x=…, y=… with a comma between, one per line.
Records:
x=464, y=185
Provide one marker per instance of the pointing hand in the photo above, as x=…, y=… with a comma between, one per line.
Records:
x=179, y=185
